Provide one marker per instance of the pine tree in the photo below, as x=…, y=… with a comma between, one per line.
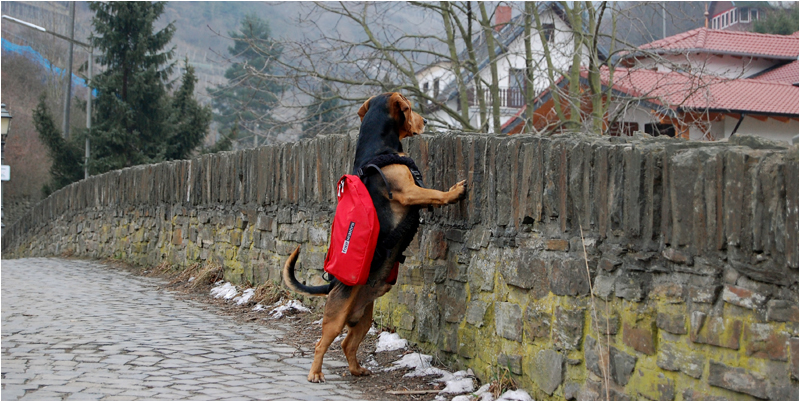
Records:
x=779, y=21
x=322, y=113
x=189, y=120
x=66, y=155
x=246, y=101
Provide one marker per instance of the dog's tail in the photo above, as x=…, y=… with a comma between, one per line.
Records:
x=295, y=285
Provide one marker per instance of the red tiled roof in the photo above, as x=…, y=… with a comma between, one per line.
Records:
x=677, y=90
x=729, y=42
x=788, y=73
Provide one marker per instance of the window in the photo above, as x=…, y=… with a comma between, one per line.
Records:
x=425, y=88
x=436, y=88
x=549, y=30
x=715, y=23
x=659, y=129
x=753, y=14
x=618, y=129
x=516, y=87
x=724, y=20
x=744, y=14
x=734, y=16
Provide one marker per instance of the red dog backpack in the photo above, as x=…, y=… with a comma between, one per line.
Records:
x=354, y=234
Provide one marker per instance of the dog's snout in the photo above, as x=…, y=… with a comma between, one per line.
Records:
x=424, y=121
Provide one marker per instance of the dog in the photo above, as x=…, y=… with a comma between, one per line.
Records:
x=385, y=120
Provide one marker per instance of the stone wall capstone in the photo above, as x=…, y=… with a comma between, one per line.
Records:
x=589, y=267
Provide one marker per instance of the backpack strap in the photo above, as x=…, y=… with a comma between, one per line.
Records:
x=363, y=175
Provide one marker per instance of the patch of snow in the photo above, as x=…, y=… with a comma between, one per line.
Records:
x=459, y=386
x=388, y=341
x=317, y=322
x=372, y=330
x=462, y=398
x=191, y=279
x=245, y=297
x=413, y=361
x=226, y=291
x=282, y=309
x=518, y=395
x=259, y=307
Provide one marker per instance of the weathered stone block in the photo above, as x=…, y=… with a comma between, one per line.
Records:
x=264, y=222
x=456, y=271
x=781, y=311
x=508, y=321
x=537, y=323
x=567, y=328
x=717, y=331
x=604, y=286
x=406, y=322
x=476, y=312
x=764, y=341
x=629, y=286
x=481, y=269
x=547, y=369
x=609, y=264
x=743, y=297
x=677, y=256
x=478, y=238
x=704, y=294
x=602, y=358
x=177, y=238
x=640, y=336
x=668, y=292
x=737, y=379
x=653, y=385
x=672, y=323
x=436, y=245
x=528, y=272
x=606, y=325
x=569, y=278
x=512, y=363
x=456, y=235
x=452, y=297
x=671, y=358
x=448, y=340
x=557, y=245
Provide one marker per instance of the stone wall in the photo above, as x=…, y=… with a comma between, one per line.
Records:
x=674, y=261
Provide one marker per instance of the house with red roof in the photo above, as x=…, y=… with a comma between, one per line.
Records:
x=699, y=85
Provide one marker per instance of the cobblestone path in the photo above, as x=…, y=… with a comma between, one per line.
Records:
x=79, y=330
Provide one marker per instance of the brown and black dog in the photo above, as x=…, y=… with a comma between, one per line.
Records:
x=385, y=120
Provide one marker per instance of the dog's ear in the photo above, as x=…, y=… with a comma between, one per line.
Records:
x=363, y=109
x=400, y=106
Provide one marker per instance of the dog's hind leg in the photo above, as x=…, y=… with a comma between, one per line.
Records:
x=354, y=337
x=331, y=328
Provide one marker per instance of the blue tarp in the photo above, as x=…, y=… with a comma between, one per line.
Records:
x=33, y=55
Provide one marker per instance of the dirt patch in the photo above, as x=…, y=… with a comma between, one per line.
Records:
x=301, y=331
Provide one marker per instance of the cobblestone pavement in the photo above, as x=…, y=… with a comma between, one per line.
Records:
x=78, y=330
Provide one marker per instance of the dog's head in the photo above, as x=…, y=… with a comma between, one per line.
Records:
x=409, y=123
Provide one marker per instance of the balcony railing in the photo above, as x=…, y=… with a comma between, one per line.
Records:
x=509, y=97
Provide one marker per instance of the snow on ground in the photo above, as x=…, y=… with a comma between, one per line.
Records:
x=224, y=290
x=245, y=297
x=388, y=341
x=285, y=306
x=459, y=385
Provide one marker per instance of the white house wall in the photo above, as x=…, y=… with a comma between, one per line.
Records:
x=771, y=129
x=721, y=66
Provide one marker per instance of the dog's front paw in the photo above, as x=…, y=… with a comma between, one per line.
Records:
x=360, y=371
x=460, y=190
x=316, y=377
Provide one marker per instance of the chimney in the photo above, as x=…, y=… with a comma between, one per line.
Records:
x=502, y=16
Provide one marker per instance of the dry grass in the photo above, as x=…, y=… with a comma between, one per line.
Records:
x=269, y=293
x=502, y=383
x=209, y=274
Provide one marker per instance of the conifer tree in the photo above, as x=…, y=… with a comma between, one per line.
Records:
x=67, y=166
x=189, y=120
x=322, y=113
x=247, y=101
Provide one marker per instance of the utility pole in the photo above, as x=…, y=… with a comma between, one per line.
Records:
x=68, y=91
x=88, y=114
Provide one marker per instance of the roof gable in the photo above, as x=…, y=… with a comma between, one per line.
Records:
x=737, y=43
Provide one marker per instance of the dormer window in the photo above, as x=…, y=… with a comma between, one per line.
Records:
x=744, y=14
x=424, y=87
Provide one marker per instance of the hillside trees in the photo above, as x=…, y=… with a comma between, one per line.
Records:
x=323, y=114
x=247, y=100
x=137, y=118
